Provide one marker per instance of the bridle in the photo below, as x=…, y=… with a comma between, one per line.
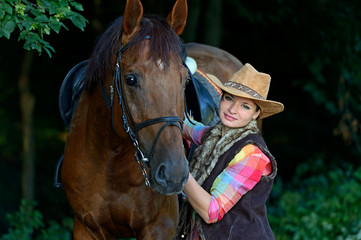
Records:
x=141, y=158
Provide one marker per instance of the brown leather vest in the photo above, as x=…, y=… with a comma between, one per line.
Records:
x=248, y=218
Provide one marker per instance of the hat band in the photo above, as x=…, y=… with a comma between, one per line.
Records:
x=244, y=89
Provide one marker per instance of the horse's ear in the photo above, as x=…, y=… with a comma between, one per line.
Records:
x=178, y=17
x=132, y=15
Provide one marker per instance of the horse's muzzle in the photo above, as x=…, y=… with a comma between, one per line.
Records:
x=169, y=179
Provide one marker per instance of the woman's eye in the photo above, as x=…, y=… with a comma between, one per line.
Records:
x=246, y=106
x=228, y=98
x=131, y=80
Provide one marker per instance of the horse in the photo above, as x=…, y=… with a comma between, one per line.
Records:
x=126, y=131
x=213, y=60
x=124, y=134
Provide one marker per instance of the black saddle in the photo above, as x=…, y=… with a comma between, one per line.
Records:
x=70, y=91
x=202, y=101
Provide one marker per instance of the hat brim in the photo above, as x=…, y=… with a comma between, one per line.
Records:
x=268, y=107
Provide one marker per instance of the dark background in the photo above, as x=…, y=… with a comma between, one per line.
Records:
x=311, y=49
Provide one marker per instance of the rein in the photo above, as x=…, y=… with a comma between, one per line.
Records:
x=140, y=157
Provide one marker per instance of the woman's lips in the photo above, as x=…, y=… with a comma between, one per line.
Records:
x=226, y=116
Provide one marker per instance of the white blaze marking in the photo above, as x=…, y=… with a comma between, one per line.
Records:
x=160, y=64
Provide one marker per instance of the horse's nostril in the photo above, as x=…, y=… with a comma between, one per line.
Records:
x=160, y=176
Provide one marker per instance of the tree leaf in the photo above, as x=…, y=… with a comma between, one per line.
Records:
x=46, y=3
x=53, y=7
x=40, y=3
x=47, y=30
x=63, y=3
x=77, y=6
x=27, y=22
x=42, y=18
x=8, y=8
x=66, y=12
x=54, y=24
x=79, y=21
x=22, y=35
x=63, y=25
x=48, y=52
x=36, y=12
x=8, y=28
x=2, y=11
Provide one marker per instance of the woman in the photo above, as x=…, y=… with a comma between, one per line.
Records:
x=232, y=171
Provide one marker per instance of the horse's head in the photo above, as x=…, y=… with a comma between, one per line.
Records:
x=153, y=85
x=148, y=81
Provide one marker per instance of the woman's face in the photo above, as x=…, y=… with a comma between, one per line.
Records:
x=236, y=112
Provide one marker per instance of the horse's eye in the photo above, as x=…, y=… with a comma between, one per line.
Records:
x=130, y=80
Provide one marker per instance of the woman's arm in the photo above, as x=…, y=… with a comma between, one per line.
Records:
x=198, y=197
x=193, y=132
x=240, y=176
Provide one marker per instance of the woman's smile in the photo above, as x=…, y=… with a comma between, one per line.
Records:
x=229, y=118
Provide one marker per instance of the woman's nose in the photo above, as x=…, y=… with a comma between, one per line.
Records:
x=231, y=108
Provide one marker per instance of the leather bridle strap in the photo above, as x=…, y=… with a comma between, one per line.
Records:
x=140, y=157
x=175, y=121
x=172, y=120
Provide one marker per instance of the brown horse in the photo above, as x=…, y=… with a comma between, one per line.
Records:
x=213, y=60
x=127, y=128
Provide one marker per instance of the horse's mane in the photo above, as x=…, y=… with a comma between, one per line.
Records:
x=163, y=41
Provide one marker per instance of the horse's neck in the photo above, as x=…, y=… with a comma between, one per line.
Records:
x=95, y=119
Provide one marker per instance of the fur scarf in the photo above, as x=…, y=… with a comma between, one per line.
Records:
x=214, y=145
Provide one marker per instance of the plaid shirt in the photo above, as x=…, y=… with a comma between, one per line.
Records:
x=242, y=173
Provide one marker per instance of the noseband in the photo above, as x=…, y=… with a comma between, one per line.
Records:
x=140, y=157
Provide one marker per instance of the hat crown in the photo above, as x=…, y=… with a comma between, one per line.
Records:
x=251, y=84
x=249, y=77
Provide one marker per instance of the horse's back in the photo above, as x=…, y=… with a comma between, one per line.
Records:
x=213, y=60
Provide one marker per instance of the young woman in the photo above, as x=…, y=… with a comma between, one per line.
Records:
x=232, y=170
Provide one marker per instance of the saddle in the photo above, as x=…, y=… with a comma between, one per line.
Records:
x=70, y=91
x=202, y=100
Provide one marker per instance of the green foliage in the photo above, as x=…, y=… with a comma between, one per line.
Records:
x=322, y=54
x=36, y=20
x=28, y=222
x=336, y=67
x=319, y=206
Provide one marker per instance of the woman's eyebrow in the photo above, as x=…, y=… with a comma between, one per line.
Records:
x=249, y=104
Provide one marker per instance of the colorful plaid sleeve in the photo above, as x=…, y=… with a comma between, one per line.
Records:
x=240, y=176
x=193, y=132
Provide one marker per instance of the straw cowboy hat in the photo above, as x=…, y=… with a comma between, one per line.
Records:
x=251, y=84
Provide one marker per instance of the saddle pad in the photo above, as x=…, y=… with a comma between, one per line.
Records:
x=209, y=96
x=212, y=88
